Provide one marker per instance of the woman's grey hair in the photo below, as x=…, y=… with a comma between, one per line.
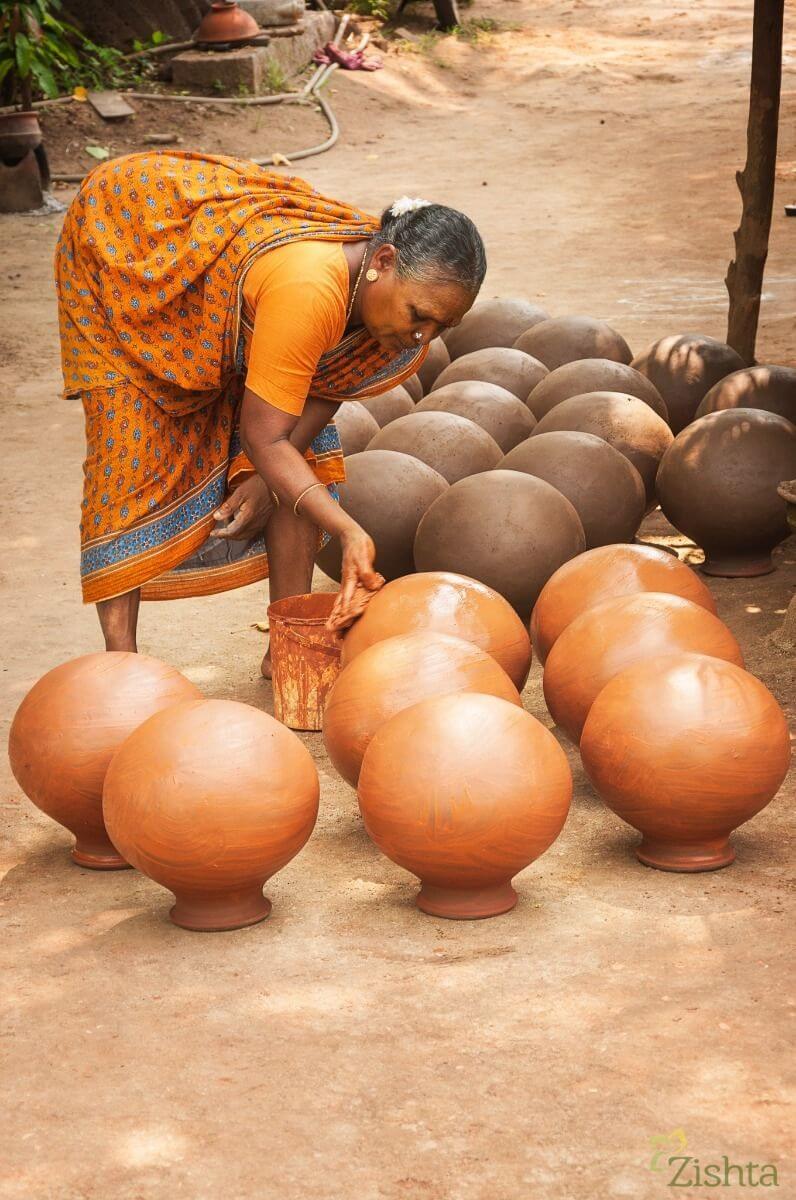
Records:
x=435, y=244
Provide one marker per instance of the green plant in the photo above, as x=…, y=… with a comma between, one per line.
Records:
x=275, y=79
x=35, y=49
x=380, y=9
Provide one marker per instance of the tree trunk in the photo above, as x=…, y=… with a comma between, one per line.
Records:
x=756, y=181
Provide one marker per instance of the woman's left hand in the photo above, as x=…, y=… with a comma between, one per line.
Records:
x=247, y=510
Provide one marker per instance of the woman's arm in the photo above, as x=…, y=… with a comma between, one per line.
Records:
x=269, y=438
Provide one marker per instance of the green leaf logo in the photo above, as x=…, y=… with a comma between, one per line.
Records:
x=664, y=1144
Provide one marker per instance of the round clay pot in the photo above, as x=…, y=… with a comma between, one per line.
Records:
x=356, y=426
x=392, y=675
x=717, y=483
x=770, y=388
x=435, y=361
x=389, y=406
x=614, y=635
x=450, y=444
x=683, y=368
x=210, y=799
x=225, y=25
x=509, y=369
x=414, y=387
x=625, y=422
x=603, y=486
x=502, y=414
x=441, y=602
x=68, y=728
x=606, y=573
x=685, y=748
x=509, y=530
x=564, y=339
x=438, y=800
x=386, y=493
x=492, y=323
x=593, y=375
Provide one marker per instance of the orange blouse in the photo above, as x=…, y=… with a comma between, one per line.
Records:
x=294, y=310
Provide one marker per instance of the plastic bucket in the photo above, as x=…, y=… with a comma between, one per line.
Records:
x=305, y=658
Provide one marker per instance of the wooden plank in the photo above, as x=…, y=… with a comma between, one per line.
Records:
x=110, y=105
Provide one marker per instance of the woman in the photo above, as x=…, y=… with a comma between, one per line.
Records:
x=213, y=316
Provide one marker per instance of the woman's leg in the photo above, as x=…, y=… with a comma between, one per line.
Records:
x=119, y=620
x=292, y=543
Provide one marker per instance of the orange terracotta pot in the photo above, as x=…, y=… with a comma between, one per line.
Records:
x=395, y=674
x=68, y=728
x=210, y=799
x=442, y=602
x=614, y=635
x=604, y=574
x=685, y=748
x=464, y=791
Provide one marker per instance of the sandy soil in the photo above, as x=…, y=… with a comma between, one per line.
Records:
x=351, y=1047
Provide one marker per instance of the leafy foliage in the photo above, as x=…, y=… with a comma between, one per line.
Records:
x=41, y=55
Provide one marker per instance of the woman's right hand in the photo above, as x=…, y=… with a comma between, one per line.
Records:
x=359, y=579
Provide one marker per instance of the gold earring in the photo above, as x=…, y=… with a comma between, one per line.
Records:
x=371, y=275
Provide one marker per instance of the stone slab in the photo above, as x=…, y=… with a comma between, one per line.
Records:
x=274, y=12
x=249, y=69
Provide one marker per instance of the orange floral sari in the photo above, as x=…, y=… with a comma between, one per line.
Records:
x=149, y=273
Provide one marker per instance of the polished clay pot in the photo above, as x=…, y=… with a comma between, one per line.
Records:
x=442, y=602
x=68, y=728
x=616, y=634
x=394, y=674
x=606, y=573
x=685, y=748
x=210, y=799
x=464, y=791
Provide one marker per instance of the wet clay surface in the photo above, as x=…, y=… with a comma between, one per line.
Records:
x=350, y=1046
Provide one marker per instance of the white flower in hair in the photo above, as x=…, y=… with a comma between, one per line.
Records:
x=406, y=205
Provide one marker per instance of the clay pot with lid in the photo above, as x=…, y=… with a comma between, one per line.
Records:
x=683, y=368
x=685, y=748
x=68, y=728
x=564, y=339
x=518, y=373
x=492, y=323
x=464, y=791
x=593, y=375
x=395, y=674
x=509, y=530
x=450, y=444
x=625, y=422
x=502, y=414
x=210, y=799
x=356, y=427
x=603, y=486
x=616, y=634
x=389, y=406
x=766, y=387
x=435, y=361
x=442, y=602
x=386, y=493
x=718, y=481
x=606, y=573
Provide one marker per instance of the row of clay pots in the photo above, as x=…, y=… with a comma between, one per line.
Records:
x=678, y=739
x=685, y=372
x=207, y=797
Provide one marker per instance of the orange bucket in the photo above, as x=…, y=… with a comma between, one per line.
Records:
x=305, y=658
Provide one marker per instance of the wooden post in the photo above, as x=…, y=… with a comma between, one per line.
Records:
x=756, y=181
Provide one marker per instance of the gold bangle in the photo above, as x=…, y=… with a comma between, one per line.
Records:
x=303, y=494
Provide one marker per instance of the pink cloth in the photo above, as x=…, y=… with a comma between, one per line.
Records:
x=349, y=60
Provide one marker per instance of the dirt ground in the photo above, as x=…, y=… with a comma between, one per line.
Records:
x=350, y=1048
